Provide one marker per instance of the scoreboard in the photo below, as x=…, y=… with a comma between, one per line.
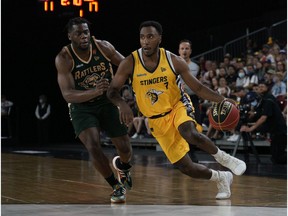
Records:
x=81, y=6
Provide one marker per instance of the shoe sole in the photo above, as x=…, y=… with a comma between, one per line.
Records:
x=118, y=201
x=118, y=175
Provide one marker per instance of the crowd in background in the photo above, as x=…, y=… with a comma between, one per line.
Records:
x=262, y=70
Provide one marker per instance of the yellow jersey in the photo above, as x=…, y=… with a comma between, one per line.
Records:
x=157, y=91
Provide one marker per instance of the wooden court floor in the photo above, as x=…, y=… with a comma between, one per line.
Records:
x=44, y=181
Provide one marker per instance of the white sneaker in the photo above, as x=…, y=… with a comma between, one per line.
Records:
x=233, y=138
x=135, y=136
x=230, y=137
x=223, y=185
x=237, y=166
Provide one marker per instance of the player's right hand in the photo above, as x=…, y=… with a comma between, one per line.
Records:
x=101, y=86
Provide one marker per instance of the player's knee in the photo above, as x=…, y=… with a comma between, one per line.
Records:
x=125, y=149
x=189, y=132
x=123, y=145
x=194, y=137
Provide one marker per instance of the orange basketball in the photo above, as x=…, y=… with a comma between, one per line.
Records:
x=224, y=116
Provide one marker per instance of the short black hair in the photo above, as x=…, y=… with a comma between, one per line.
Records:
x=186, y=41
x=76, y=21
x=153, y=23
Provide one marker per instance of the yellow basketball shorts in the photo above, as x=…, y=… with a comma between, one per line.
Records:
x=165, y=131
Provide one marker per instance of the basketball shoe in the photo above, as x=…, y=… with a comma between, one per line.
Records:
x=118, y=194
x=237, y=166
x=223, y=185
x=124, y=176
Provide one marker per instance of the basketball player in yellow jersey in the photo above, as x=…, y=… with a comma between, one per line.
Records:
x=154, y=73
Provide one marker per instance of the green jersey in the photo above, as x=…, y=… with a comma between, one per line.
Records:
x=87, y=73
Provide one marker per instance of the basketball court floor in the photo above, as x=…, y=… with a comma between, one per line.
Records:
x=60, y=180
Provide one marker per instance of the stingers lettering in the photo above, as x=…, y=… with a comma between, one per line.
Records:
x=154, y=80
x=90, y=70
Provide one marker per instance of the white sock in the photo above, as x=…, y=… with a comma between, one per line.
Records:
x=218, y=154
x=215, y=175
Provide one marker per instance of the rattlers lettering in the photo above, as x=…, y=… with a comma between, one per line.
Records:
x=90, y=70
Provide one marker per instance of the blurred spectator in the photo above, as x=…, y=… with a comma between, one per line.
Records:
x=263, y=89
x=231, y=76
x=202, y=65
x=215, y=67
x=240, y=63
x=223, y=88
x=259, y=70
x=253, y=78
x=215, y=83
x=207, y=78
x=138, y=123
x=185, y=51
x=142, y=128
x=268, y=78
x=128, y=97
x=267, y=55
x=281, y=67
x=42, y=113
x=222, y=72
x=255, y=88
x=282, y=55
x=207, y=67
x=242, y=79
x=279, y=87
x=6, y=106
x=149, y=134
x=268, y=118
x=226, y=61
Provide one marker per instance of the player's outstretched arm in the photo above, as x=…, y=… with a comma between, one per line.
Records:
x=123, y=73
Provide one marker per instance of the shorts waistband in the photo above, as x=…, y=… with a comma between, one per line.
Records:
x=160, y=115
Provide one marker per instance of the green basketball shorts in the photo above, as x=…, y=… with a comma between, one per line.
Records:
x=103, y=116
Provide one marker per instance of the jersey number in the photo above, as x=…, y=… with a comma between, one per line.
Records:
x=166, y=84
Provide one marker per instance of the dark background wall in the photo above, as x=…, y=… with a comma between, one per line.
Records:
x=30, y=40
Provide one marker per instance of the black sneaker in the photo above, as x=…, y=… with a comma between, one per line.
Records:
x=118, y=194
x=123, y=175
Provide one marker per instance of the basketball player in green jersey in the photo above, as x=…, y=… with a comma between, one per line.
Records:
x=155, y=75
x=84, y=73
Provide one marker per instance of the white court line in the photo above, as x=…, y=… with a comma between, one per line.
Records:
x=139, y=210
